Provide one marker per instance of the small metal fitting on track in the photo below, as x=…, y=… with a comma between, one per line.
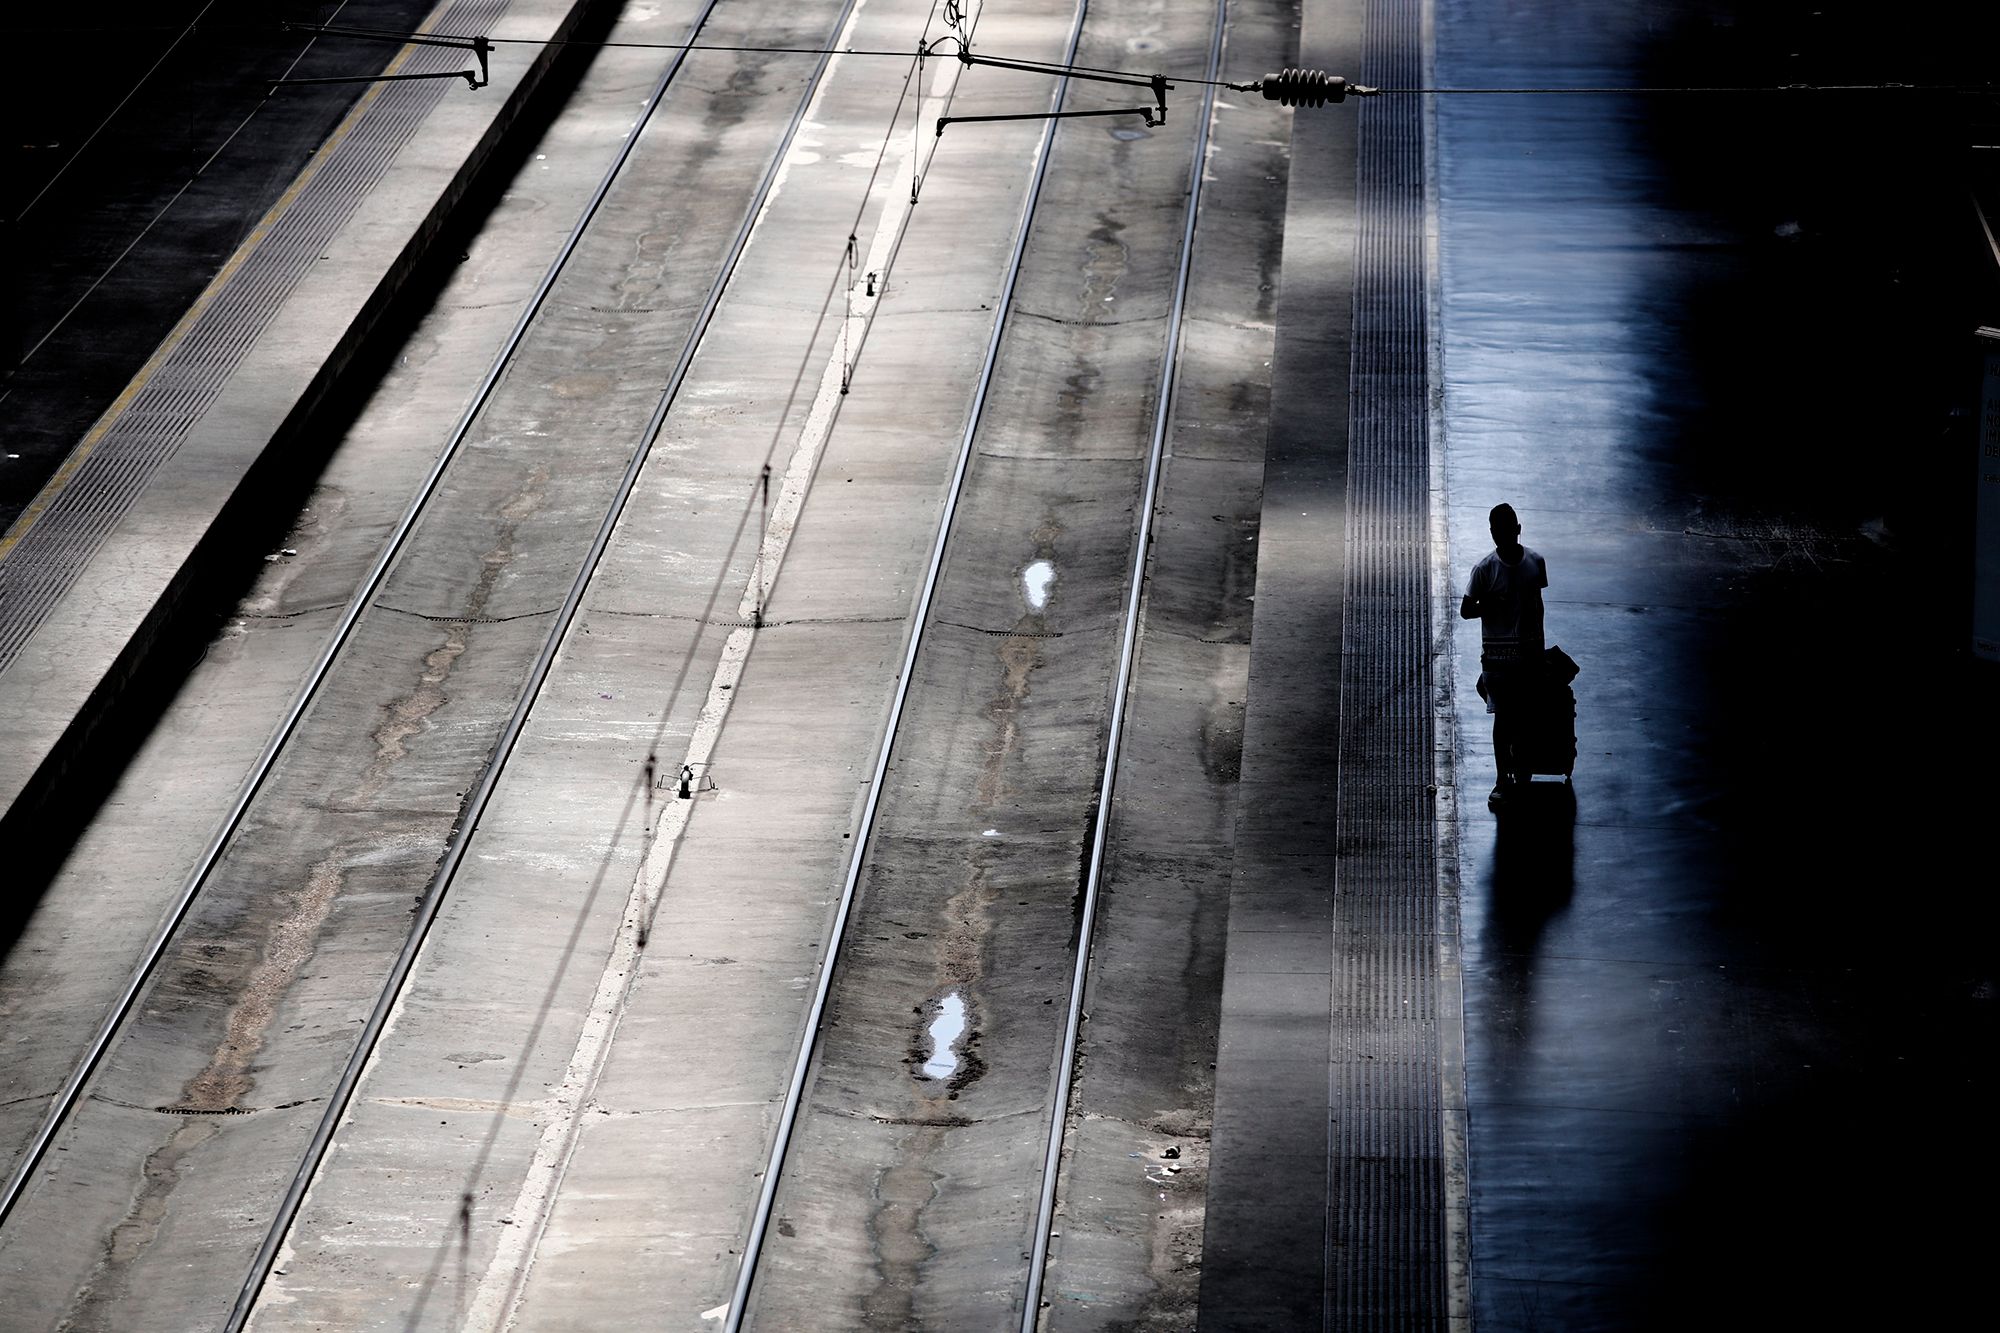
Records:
x=1305, y=87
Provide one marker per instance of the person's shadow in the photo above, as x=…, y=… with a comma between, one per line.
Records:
x=1529, y=882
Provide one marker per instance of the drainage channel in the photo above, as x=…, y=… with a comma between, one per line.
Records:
x=1393, y=1164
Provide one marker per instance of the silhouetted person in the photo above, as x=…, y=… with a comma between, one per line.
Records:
x=1505, y=596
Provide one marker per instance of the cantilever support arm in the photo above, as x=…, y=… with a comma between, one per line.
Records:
x=475, y=79
x=1155, y=114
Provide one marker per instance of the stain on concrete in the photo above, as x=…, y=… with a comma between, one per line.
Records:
x=903, y=1191
x=106, y=1288
x=411, y=713
x=1104, y=265
x=295, y=921
x=1019, y=655
x=586, y=385
x=901, y=1194
x=1221, y=737
x=290, y=919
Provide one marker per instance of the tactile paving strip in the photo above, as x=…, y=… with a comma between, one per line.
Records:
x=1387, y=1263
x=53, y=552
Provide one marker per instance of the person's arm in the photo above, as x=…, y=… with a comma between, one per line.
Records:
x=1468, y=605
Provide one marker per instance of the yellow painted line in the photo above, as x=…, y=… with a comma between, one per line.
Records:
x=78, y=456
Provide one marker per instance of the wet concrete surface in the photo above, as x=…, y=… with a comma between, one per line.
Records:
x=1725, y=1002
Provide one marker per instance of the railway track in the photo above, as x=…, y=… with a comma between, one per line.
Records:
x=253, y=1034
x=967, y=920
x=229, y=953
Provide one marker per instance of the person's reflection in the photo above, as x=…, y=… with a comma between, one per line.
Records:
x=1529, y=881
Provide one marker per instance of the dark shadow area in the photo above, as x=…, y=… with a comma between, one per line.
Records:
x=59, y=803
x=1739, y=1103
x=144, y=144
x=1530, y=882
x=1829, y=368
x=1847, y=1204
x=1818, y=381
x=1856, y=767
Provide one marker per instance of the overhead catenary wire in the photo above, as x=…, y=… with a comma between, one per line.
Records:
x=847, y=266
x=757, y=503
x=1649, y=89
x=427, y=907
x=1059, y=68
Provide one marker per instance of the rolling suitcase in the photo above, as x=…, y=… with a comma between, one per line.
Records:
x=1545, y=732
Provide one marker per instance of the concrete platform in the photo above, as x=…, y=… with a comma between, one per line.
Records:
x=1714, y=992
x=1715, y=1003
x=96, y=568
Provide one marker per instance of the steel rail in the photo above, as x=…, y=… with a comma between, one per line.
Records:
x=322, y=669
x=392, y=987
x=795, y=1091
x=1162, y=420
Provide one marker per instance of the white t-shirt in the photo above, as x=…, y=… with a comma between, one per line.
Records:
x=1510, y=605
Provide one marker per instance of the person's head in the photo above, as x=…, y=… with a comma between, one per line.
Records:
x=1506, y=527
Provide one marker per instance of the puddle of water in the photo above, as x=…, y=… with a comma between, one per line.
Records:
x=1036, y=580
x=945, y=1030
